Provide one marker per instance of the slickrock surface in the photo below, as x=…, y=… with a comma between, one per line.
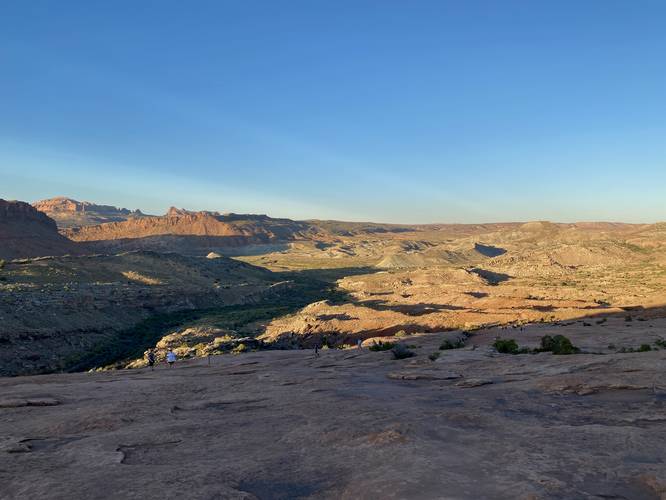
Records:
x=351, y=424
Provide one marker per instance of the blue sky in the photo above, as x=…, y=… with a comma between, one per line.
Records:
x=466, y=111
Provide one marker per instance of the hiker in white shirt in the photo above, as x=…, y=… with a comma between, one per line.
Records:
x=171, y=357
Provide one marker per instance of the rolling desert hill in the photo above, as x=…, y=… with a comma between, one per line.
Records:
x=72, y=213
x=384, y=278
x=58, y=312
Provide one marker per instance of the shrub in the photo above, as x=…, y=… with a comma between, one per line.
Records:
x=660, y=343
x=434, y=356
x=401, y=333
x=558, y=344
x=506, y=346
x=628, y=318
x=239, y=349
x=381, y=346
x=400, y=351
x=2, y=263
x=644, y=348
x=448, y=344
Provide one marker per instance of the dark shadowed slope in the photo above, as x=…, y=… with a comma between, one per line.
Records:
x=27, y=232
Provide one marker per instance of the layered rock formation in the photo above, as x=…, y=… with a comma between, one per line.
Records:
x=72, y=213
x=26, y=232
x=190, y=232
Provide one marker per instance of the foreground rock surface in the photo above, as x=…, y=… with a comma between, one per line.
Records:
x=350, y=424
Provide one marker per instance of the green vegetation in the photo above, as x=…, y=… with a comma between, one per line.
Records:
x=642, y=348
x=381, y=346
x=400, y=351
x=433, y=356
x=559, y=344
x=506, y=346
x=449, y=344
x=129, y=344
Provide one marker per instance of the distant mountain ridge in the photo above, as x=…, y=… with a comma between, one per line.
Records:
x=190, y=232
x=30, y=231
x=73, y=213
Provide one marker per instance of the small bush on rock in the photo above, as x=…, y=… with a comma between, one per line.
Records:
x=559, y=344
x=452, y=344
x=506, y=346
x=400, y=351
x=240, y=348
x=381, y=346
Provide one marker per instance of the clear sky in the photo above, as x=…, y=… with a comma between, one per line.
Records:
x=398, y=111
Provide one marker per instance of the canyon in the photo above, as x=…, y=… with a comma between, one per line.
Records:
x=435, y=365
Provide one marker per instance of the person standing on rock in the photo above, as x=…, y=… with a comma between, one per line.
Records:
x=151, y=359
x=171, y=357
x=316, y=350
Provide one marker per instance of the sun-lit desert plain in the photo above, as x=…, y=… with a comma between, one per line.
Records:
x=518, y=360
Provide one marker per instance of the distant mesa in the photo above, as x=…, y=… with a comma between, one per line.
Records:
x=191, y=233
x=181, y=212
x=72, y=213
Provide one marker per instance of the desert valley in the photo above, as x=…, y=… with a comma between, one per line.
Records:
x=444, y=349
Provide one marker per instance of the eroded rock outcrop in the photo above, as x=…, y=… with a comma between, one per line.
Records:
x=190, y=232
x=26, y=232
x=72, y=213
